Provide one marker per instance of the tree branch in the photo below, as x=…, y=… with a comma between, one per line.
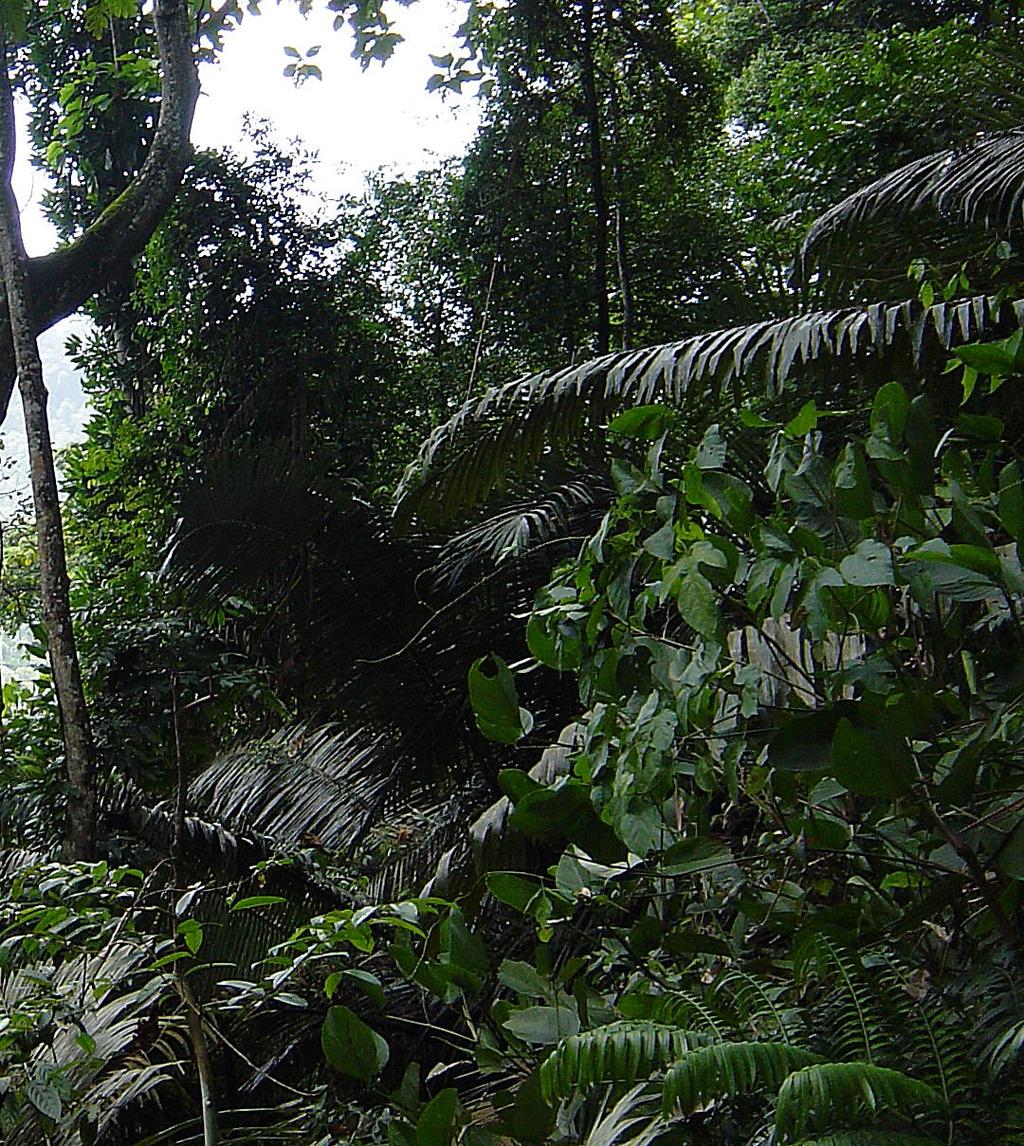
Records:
x=63, y=281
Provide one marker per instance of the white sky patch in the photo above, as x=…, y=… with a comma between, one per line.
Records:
x=357, y=120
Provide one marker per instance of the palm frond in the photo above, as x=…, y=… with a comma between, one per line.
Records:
x=128, y=1063
x=730, y=1069
x=981, y=185
x=360, y=793
x=505, y=432
x=626, y=1051
x=819, y=1096
x=231, y=535
x=570, y=507
x=299, y=786
x=634, y=1120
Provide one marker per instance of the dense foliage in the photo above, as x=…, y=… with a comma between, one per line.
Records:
x=509, y=730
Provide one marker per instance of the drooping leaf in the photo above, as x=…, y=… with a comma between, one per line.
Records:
x=496, y=702
x=352, y=1047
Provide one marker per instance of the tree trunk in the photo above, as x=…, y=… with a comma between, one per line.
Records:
x=592, y=115
x=80, y=833
x=621, y=245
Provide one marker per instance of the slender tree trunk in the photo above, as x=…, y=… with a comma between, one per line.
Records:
x=592, y=115
x=80, y=833
x=621, y=245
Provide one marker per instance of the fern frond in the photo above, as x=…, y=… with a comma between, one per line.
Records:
x=726, y=1070
x=816, y=1097
x=625, y=1051
x=761, y=1006
x=852, y=1019
x=507, y=430
x=572, y=507
x=683, y=1008
x=928, y=1036
x=871, y=1138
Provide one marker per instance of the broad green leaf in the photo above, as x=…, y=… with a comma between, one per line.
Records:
x=868, y=565
x=804, y=421
x=45, y=1099
x=871, y=761
x=368, y=983
x=257, y=901
x=1003, y=357
x=697, y=604
x=544, y=1026
x=889, y=411
x=514, y=890
x=804, y=743
x=711, y=452
x=698, y=853
x=436, y=1125
x=553, y=644
x=496, y=703
x=191, y=930
x=662, y=543
x=352, y=1047
x=524, y=978
x=464, y=949
x=962, y=578
x=983, y=427
x=530, y=1120
x=853, y=484
x=648, y=422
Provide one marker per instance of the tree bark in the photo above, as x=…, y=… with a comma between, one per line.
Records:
x=80, y=832
x=592, y=115
x=63, y=281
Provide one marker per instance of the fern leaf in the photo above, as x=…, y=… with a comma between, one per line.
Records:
x=725, y=1070
x=627, y=1051
x=871, y=1138
x=852, y=1018
x=817, y=1096
x=760, y=1004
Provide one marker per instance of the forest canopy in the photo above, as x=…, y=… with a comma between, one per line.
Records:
x=530, y=652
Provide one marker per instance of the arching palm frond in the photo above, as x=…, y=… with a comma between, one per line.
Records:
x=981, y=185
x=354, y=793
x=506, y=432
x=572, y=507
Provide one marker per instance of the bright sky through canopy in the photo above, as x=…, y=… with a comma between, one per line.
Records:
x=356, y=120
